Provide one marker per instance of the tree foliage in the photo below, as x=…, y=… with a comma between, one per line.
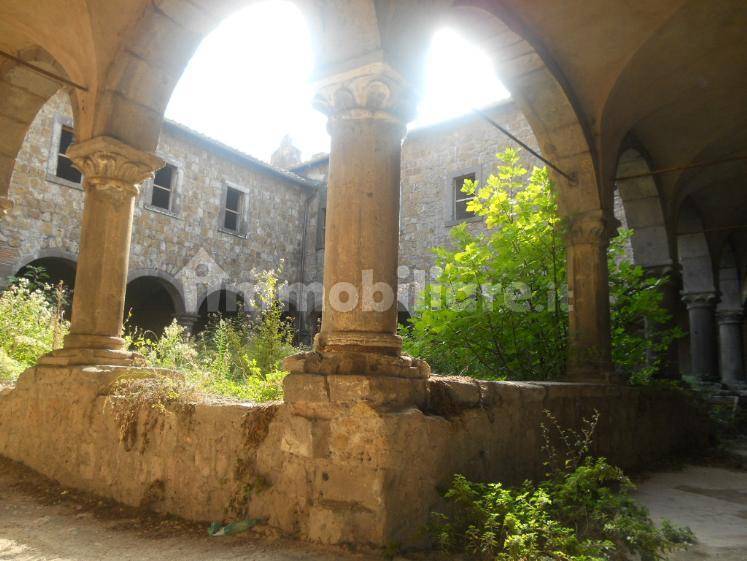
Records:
x=498, y=308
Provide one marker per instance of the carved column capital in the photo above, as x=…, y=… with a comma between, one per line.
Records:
x=700, y=299
x=373, y=91
x=5, y=205
x=113, y=166
x=591, y=227
x=726, y=317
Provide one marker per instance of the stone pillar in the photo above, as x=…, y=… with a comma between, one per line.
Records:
x=589, y=352
x=731, y=363
x=670, y=301
x=700, y=309
x=112, y=173
x=368, y=111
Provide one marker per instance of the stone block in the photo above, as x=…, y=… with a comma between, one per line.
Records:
x=300, y=387
x=384, y=391
x=361, y=486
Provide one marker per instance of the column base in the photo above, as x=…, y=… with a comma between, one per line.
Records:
x=357, y=363
x=81, y=349
x=89, y=357
x=359, y=342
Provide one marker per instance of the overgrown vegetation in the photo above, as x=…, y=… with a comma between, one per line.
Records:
x=236, y=357
x=31, y=324
x=582, y=511
x=498, y=309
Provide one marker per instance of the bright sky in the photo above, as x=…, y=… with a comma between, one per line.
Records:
x=247, y=85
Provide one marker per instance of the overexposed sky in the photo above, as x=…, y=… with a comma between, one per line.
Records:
x=247, y=85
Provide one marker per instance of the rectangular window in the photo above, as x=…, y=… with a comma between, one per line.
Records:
x=461, y=199
x=232, y=212
x=65, y=168
x=163, y=187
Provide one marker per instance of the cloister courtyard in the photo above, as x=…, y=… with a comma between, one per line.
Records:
x=454, y=338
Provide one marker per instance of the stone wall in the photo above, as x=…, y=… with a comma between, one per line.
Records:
x=346, y=458
x=432, y=157
x=46, y=218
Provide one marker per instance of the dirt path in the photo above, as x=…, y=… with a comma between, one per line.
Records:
x=41, y=522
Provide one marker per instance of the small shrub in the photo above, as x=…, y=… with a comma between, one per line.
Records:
x=130, y=396
x=31, y=325
x=582, y=511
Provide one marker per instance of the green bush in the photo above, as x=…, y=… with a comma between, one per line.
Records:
x=497, y=310
x=31, y=324
x=582, y=511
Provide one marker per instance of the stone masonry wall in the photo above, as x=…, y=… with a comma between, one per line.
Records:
x=46, y=217
x=346, y=459
x=431, y=158
x=282, y=215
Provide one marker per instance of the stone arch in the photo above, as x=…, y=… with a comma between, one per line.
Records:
x=153, y=300
x=543, y=96
x=171, y=284
x=139, y=83
x=23, y=93
x=226, y=301
x=642, y=212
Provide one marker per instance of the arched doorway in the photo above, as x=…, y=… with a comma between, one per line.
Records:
x=223, y=303
x=151, y=304
x=54, y=271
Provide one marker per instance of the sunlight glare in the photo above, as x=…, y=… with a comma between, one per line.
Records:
x=247, y=84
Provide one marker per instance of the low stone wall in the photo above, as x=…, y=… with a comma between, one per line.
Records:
x=347, y=459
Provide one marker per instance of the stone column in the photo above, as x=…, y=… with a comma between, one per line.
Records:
x=589, y=352
x=368, y=109
x=731, y=363
x=700, y=309
x=112, y=173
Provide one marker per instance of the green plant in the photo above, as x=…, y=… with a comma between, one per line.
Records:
x=497, y=309
x=31, y=324
x=235, y=357
x=582, y=511
x=641, y=330
x=153, y=392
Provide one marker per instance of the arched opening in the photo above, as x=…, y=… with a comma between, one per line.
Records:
x=55, y=271
x=151, y=304
x=223, y=303
x=52, y=270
